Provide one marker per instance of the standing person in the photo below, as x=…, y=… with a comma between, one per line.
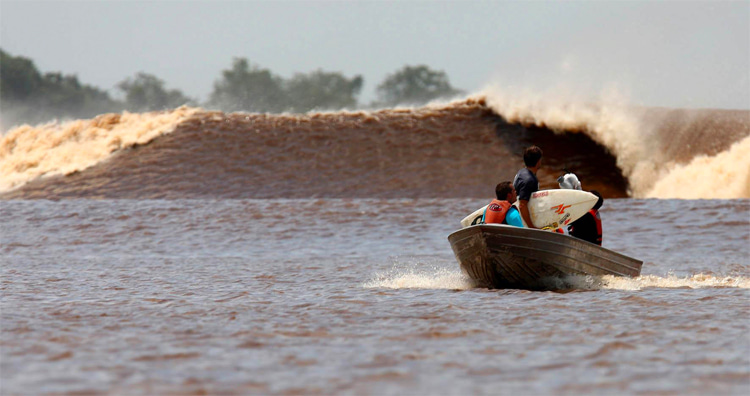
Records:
x=526, y=182
x=500, y=210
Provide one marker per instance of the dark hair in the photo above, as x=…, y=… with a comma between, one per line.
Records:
x=600, y=201
x=503, y=189
x=532, y=155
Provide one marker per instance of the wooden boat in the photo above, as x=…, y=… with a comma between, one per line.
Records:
x=503, y=257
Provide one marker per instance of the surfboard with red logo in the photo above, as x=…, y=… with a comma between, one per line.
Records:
x=549, y=209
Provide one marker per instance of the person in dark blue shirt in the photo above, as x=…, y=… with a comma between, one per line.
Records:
x=526, y=182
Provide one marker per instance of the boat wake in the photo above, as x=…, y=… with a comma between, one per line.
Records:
x=610, y=282
x=697, y=281
x=420, y=276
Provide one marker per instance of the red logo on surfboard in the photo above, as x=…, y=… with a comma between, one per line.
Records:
x=560, y=208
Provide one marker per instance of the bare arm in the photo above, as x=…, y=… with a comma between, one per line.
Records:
x=523, y=207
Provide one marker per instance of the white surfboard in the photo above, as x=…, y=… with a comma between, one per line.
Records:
x=473, y=218
x=549, y=209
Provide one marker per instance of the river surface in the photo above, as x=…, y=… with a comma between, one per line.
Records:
x=358, y=296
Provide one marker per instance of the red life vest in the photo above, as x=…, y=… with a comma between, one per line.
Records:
x=496, y=212
x=598, y=221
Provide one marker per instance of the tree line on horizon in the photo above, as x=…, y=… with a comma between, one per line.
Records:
x=29, y=96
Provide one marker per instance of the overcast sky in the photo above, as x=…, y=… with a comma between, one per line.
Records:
x=677, y=54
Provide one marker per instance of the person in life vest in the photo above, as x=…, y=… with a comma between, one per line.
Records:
x=589, y=226
x=501, y=210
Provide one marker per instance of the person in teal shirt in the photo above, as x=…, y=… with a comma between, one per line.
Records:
x=514, y=217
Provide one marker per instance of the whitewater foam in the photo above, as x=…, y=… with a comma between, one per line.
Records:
x=725, y=175
x=28, y=152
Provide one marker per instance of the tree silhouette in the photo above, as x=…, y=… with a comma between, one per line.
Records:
x=323, y=90
x=19, y=78
x=28, y=96
x=414, y=85
x=146, y=92
x=246, y=88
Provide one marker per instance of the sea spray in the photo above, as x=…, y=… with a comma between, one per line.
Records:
x=420, y=275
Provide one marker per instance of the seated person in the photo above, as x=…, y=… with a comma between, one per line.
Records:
x=501, y=210
x=568, y=181
x=589, y=226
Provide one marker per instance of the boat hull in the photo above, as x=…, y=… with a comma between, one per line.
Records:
x=501, y=256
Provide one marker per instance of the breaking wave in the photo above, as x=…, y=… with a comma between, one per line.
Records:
x=663, y=153
x=451, y=150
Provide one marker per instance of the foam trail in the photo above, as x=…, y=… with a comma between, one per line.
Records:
x=28, y=152
x=609, y=282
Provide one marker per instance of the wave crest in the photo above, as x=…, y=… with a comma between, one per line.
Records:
x=653, y=147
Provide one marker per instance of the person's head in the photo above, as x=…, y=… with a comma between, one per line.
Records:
x=600, y=201
x=505, y=192
x=531, y=156
x=569, y=181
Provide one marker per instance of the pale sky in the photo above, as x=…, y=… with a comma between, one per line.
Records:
x=676, y=54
